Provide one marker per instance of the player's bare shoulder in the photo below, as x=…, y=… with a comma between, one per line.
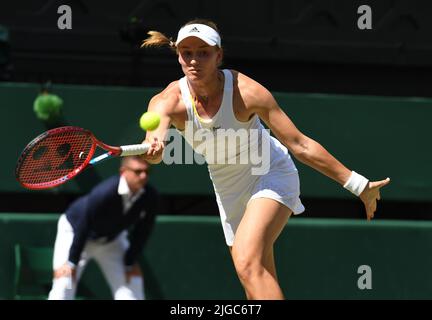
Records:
x=251, y=92
x=169, y=102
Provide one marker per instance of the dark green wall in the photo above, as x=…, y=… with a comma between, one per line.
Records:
x=111, y=113
x=186, y=258
x=376, y=136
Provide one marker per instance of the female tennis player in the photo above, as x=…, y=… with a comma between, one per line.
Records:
x=253, y=208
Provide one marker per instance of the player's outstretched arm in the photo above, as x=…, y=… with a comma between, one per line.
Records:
x=163, y=104
x=307, y=150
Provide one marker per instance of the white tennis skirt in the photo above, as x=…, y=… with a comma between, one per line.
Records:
x=281, y=183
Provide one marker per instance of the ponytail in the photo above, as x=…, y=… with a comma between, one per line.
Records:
x=158, y=39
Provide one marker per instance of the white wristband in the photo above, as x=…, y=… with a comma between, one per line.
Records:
x=356, y=183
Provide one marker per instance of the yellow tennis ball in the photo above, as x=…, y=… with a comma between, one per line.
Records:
x=149, y=121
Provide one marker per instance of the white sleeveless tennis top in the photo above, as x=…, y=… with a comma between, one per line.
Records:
x=243, y=160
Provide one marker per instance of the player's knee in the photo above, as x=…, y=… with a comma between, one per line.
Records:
x=247, y=267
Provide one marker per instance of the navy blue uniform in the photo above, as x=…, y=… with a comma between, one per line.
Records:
x=99, y=215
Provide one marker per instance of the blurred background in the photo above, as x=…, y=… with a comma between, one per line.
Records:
x=364, y=94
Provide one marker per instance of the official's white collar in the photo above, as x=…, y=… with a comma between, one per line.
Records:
x=123, y=188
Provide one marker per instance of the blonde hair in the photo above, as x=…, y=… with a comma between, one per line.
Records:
x=158, y=39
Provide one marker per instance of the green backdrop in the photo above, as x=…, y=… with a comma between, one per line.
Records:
x=186, y=258
x=376, y=136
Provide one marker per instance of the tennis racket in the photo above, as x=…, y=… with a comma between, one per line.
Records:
x=59, y=154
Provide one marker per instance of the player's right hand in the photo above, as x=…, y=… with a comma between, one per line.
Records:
x=154, y=153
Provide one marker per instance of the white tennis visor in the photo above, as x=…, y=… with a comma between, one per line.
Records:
x=205, y=33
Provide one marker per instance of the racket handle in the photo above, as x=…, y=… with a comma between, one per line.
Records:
x=134, y=149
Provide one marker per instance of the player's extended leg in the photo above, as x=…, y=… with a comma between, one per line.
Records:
x=252, y=251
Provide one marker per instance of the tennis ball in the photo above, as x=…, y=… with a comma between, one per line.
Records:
x=48, y=107
x=149, y=121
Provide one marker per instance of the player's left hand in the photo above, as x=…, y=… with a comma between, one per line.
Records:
x=134, y=271
x=370, y=196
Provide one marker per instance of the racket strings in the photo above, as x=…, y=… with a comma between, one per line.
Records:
x=54, y=156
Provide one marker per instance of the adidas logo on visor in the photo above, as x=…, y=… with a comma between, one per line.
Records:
x=194, y=29
x=204, y=32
